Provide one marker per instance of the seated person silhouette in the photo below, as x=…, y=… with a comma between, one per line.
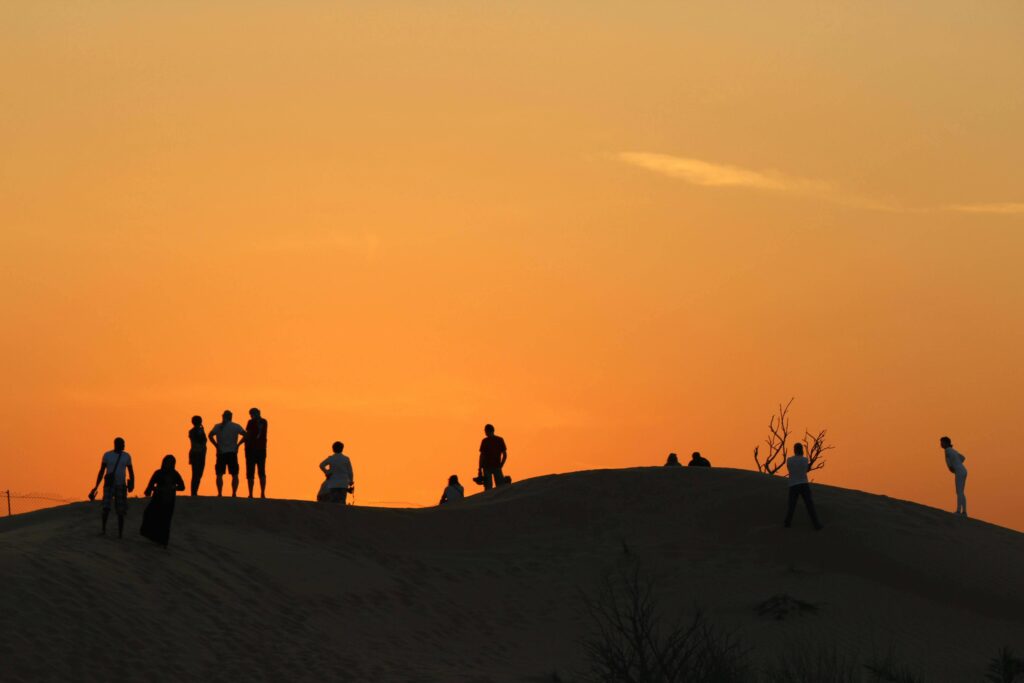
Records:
x=453, y=491
x=698, y=460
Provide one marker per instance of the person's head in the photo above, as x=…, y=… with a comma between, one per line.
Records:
x=798, y=449
x=672, y=457
x=118, y=444
x=254, y=412
x=197, y=421
x=489, y=430
x=946, y=442
x=695, y=456
x=337, y=447
x=168, y=462
x=227, y=416
x=454, y=479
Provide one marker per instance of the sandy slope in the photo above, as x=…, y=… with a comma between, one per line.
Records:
x=489, y=589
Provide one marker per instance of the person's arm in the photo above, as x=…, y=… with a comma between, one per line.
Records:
x=480, y=464
x=323, y=467
x=504, y=453
x=351, y=476
x=212, y=436
x=179, y=483
x=131, y=478
x=99, y=477
x=151, y=486
x=444, y=497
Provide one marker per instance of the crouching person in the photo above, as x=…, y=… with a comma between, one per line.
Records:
x=337, y=469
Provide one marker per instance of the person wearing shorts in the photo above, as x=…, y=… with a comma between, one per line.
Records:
x=227, y=436
x=118, y=478
x=256, y=450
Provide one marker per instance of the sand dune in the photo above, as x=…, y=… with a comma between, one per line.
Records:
x=489, y=589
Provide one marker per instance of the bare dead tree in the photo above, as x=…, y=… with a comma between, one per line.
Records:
x=777, y=442
x=778, y=436
x=815, y=447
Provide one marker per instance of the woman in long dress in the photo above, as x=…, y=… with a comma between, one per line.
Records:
x=163, y=487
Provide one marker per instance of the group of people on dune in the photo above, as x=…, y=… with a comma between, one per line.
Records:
x=797, y=466
x=118, y=476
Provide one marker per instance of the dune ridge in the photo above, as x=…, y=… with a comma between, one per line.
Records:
x=490, y=589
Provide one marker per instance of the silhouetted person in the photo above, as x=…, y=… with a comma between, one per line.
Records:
x=338, y=470
x=672, y=461
x=256, y=450
x=197, y=452
x=163, y=487
x=799, y=486
x=113, y=467
x=227, y=436
x=955, y=464
x=698, y=460
x=453, y=491
x=493, y=455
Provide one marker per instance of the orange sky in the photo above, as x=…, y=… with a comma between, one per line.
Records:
x=612, y=230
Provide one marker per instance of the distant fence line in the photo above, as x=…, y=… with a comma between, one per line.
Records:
x=8, y=497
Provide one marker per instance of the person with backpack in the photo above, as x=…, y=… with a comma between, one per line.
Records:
x=453, y=491
x=256, y=450
x=227, y=436
x=113, y=467
x=163, y=487
x=955, y=464
x=197, y=452
x=799, y=487
x=493, y=455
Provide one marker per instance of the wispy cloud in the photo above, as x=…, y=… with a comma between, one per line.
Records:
x=709, y=174
x=699, y=172
x=1007, y=208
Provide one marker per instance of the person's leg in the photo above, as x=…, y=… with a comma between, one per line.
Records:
x=487, y=479
x=499, y=477
x=261, y=467
x=108, y=500
x=805, y=493
x=218, y=469
x=961, y=499
x=197, y=475
x=233, y=468
x=121, y=507
x=250, y=468
x=791, y=505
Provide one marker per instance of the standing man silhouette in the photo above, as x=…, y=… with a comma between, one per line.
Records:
x=113, y=466
x=256, y=450
x=197, y=452
x=225, y=437
x=493, y=455
x=955, y=464
x=798, y=466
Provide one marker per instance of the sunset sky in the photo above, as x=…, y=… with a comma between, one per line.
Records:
x=613, y=229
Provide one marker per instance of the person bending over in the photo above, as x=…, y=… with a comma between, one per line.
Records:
x=955, y=465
